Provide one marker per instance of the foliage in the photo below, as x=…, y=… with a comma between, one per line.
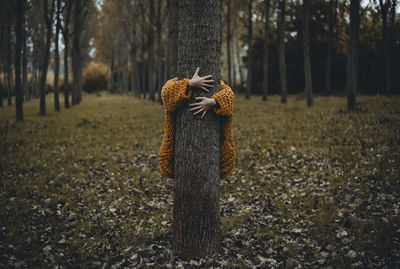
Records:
x=95, y=77
x=313, y=186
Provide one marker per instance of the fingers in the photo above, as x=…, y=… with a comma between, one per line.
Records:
x=208, y=76
x=197, y=71
x=197, y=112
x=205, y=111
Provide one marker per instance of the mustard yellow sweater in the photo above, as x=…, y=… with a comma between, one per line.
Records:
x=174, y=94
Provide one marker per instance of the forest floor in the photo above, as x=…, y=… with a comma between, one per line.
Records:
x=313, y=187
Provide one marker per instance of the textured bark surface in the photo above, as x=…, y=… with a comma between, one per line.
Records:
x=172, y=55
x=267, y=4
x=196, y=219
x=306, y=51
x=352, y=55
x=18, y=89
x=282, y=61
x=249, y=51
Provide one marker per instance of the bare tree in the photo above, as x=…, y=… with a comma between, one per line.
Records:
x=48, y=16
x=249, y=51
x=172, y=50
x=384, y=10
x=196, y=218
x=332, y=21
x=19, y=97
x=267, y=8
x=281, y=38
x=306, y=50
x=352, y=54
x=228, y=40
x=65, y=33
x=57, y=57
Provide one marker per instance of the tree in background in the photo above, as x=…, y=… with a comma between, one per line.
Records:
x=267, y=6
x=332, y=15
x=48, y=17
x=196, y=219
x=172, y=46
x=249, y=51
x=281, y=38
x=306, y=50
x=352, y=55
x=65, y=34
x=57, y=56
x=19, y=97
x=228, y=39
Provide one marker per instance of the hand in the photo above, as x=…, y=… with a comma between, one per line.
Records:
x=203, y=106
x=201, y=82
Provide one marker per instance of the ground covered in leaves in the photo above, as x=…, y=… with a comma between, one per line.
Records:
x=313, y=187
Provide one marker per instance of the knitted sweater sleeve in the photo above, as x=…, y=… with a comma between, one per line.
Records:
x=225, y=99
x=174, y=93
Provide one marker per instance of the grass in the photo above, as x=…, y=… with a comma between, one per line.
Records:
x=82, y=188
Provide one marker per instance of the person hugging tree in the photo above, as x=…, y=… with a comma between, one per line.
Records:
x=176, y=93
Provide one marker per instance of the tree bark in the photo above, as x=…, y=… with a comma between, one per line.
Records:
x=282, y=61
x=239, y=61
x=76, y=53
x=150, y=42
x=228, y=40
x=352, y=55
x=267, y=4
x=49, y=23
x=332, y=22
x=134, y=69
x=306, y=50
x=172, y=53
x=196, y=219
x=57, y=58
x=384, y=8
x=19, y=97
x=9, y=73
x=25, y=89
x=65, y=33
x=159, y=50
x=249, y=51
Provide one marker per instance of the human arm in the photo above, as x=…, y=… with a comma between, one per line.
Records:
x=176, y=92
x=225, y=99
x=221, y=102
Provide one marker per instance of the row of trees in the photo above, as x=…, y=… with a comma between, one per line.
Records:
x=29, y=29
x=268, y=46
x=257, y=35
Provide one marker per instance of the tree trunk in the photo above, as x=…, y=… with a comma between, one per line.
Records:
x=352, y=54
x=19, y=35
x=134, y=69
x=159, y=50
x=306, y=50
x=228, y=40
x=25, y=89
x=76, y=53
x=9, y=73
x=267, y=4
x=239, y=61
x=249, y=51
x=282, y=61
x=150, y=42
x=57, y=58
x=65, y=33
x=172, y=53
x=49, y=23
x=384, y=7
x=332, y=21
x=196, y=219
